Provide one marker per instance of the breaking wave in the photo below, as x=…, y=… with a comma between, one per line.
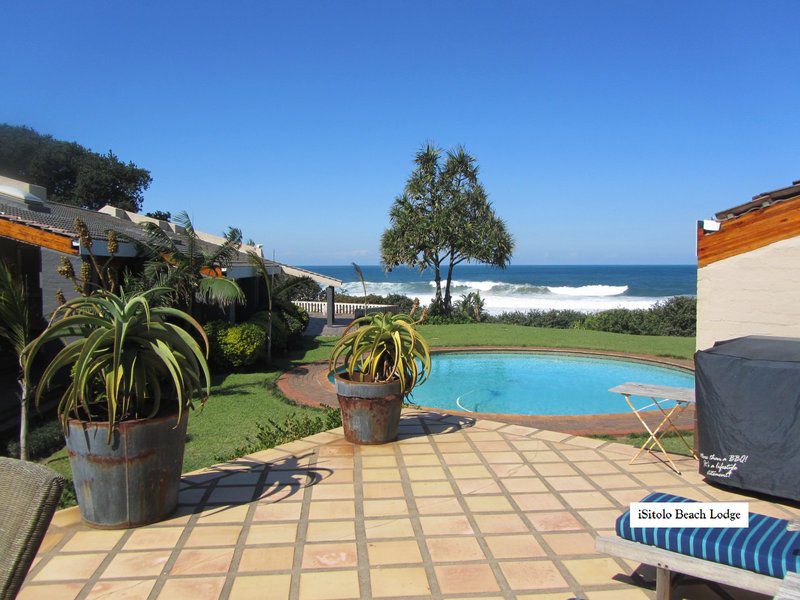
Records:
x=502, y=297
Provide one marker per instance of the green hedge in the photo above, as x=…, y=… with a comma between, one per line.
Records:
x=235, y=346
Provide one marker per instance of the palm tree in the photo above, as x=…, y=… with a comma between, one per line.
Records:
x=186, y=266
x=15, y=328
x=276, y=294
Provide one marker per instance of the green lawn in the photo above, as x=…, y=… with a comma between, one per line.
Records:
x=241, y=400
x=671, y=442
x=496, y=334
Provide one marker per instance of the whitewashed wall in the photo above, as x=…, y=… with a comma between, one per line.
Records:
x=756, y=293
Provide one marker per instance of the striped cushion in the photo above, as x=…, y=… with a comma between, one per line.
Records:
x=765, y=547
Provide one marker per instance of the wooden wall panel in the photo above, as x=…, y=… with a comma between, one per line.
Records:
x=36, y=237
x=747, y=232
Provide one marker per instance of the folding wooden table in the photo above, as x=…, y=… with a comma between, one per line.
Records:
x=660, y=395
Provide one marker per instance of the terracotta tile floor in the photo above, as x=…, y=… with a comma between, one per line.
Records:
x=457, y=508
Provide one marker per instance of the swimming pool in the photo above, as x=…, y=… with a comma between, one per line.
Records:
x=533, y=383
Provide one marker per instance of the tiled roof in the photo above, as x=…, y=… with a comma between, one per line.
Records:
x=761, y=200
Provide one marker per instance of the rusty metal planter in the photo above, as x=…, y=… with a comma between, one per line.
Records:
x=134, y=479
x=370, y=411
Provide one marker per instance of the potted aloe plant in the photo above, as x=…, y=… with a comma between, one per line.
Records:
x=376, y=364
x=132, y=372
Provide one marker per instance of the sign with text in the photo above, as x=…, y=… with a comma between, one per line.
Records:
x=690, y=514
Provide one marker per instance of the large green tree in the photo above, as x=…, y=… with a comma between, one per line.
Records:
x=71, y=173
x=444, y=218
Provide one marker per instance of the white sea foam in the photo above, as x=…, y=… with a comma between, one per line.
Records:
x=589, y=290
x=502, y=297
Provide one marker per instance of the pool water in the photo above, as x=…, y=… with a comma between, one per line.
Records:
x=537, y=383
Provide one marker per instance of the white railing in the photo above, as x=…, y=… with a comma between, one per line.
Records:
x=342, y=308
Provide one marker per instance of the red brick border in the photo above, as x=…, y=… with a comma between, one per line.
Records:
x=308, y=384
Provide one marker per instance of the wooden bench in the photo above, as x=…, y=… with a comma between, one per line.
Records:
x=667, y=562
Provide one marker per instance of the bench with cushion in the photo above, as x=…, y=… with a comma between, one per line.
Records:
x=757, y=558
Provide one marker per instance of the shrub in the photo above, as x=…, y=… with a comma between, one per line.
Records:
x=234, y=346
x=676, y=316
x=43, y=440
x=618, y=320
x=471, y=306
x=271, y=434
x=556, y=319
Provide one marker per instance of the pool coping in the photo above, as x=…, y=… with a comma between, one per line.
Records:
x=308, y=385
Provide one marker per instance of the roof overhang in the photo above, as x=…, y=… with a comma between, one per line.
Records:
x=28, y=234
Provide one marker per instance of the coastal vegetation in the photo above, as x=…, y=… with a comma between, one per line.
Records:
x=71, y=173
x=442, y=219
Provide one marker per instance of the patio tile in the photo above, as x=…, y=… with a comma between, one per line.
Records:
x=421, y=460
x=277, y=511
x=586, y=500
x=203, y=562
x=426, y=473
x=507, y=523
x=272, y=533
x=554, y=521
x=244, y=478
x=131, y=589
x=373, y=475
x=524, y=485
x=514, y=546
x=329, y=585
x=224, y=514
x=137, y=564
x=231, y=495
x=431, y=488
x=261, y=587
x=383, y=490
x=70, y=566
x=388, y=528
x=478, y=504
x=330, y=531
x=593, y=571
x=512, y=470
x=334, y=509
x=488, y=447
x=541, y=456
x=385, y=508
x=445, y=525
x=439, y=506
x=214, y=535
x=335, y=476
x=478, y=486
x=554, y=469
x=279, y=492
x=153, y=538
x=399, y=581
x=598, y=467
x=466, y=579
x=615, y=481
x=565, y=544
x=334, y=463
x=329, y=556
x=532, y=575
x=570, y=483
x=60, y=591
x=196, y=588
x=276, y=558
x=92, y=541
x=601, y=519
x=394, y=552
x=469, y=472
x=528, y=502
x=372, y=462
x=455, y=549
x=461, y=458
x=618, y=594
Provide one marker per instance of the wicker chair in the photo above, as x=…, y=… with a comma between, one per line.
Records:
x=29, y=495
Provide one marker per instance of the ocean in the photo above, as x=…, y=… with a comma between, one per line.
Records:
x=586, y=288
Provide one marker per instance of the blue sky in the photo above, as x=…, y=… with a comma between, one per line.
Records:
x=604, y=130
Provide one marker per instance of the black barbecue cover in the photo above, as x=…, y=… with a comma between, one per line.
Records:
x=748, y=414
